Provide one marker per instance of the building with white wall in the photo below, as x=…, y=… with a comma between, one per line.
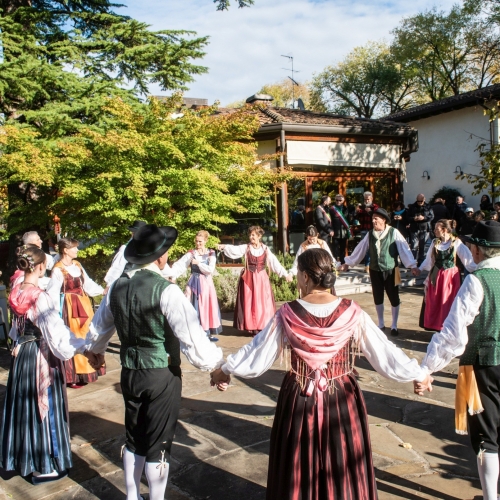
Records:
x=449, y=132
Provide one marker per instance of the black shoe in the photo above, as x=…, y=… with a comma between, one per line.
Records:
x=47, y=479
x=394, y=332
x=213, y=339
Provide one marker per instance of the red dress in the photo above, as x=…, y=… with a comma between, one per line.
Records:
x=331, y=463
x=255, y=299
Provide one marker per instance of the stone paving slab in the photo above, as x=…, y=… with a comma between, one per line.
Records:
x=221, y=445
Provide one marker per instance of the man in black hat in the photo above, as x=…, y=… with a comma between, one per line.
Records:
x=420, y=215
x=385, y=244
x=154, y=321
x=472, y=331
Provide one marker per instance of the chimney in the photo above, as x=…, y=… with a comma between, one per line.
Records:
x=263, y=99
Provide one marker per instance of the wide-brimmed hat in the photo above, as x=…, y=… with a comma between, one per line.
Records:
x=485, y=234
x=383, y=213
x=136, y=225
x=149, y=243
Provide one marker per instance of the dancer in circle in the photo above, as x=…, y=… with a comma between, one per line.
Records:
x=70, y=288
x=200, y=289
x=443, y=281
x=312, y=241
x=35, y=429
x=320, y=443
x=255, y=300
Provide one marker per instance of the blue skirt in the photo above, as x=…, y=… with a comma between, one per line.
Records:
x=28, y=444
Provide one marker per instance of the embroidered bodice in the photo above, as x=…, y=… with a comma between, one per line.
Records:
x=256, y=264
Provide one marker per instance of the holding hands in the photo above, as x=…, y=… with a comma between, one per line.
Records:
x=95, y=360
x=219, y=379
x=426, y=385
x=415, y=271
x=343, y=268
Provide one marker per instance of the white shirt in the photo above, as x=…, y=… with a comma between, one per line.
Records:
x=403, y=249
x=451, y=341
x=55, y=286
x=462, y=251
x=181, y=317
x=301, y=250
x=49, y=261
x=239, y=251
x=206, y=263
x=258, y=356
x=118, y=266
x=63, y=344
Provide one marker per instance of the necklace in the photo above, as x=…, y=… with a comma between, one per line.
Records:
x=28, y=283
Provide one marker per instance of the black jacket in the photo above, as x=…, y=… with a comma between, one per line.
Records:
x=440, y=212
x=400, y=224
x=322, y=223
x=423, y=225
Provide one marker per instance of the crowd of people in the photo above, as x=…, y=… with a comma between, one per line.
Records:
x=320, y=443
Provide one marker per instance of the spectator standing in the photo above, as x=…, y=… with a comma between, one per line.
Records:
x=340, y=225
x=364, y=216
x=496, y=206
x=399, y=219
x=469, y=223
x=298, y=216
x=420, y=215
x=493, y=216
x=485, y=203
x=440, y=211
x=324, y=220
x=458, y=212
x=479, y=216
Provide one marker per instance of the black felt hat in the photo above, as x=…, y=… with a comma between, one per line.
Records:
x=485, y=234
x=383, y=213
x=136, y=225
x=149, y=243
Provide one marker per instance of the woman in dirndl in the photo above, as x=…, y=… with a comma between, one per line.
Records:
x=70, y=287
x=200, y=289
x=255, y=299
x=443, y=281
x=34, y=434
x=320, y=440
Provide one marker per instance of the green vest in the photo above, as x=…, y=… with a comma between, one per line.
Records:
x=483, y=347
x=388, y=252
x=147, y=341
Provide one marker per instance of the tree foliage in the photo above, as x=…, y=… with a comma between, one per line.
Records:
x=193, y=170
x=285, y=92
x=224, y=4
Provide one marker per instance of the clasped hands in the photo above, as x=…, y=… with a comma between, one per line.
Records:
x=219, y=379
x=420, y=387
x=95, y=360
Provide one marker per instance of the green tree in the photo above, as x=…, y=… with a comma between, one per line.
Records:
x=193, y=170
x=368, y=82
x=224, y=4
x=285, y=91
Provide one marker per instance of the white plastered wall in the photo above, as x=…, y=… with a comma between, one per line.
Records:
x=446, y=141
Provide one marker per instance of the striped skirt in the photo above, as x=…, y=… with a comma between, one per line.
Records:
x=28, y=444
x=336, y=465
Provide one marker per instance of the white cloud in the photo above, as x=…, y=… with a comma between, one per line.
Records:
x=246, y=44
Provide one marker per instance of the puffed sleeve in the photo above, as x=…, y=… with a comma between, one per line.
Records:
x=208, y=268
x=465, y=256
x=54, y=288
x=102, y=326
x=92, y=289
x=294, y=268
x=275, y=265
x=359, y=252
x=181, y=265
x=117, y=266
x=62, y=343
x=427, y=263
x=385, y=357
x=404, y=251
x=235, y=251
x=255, y=358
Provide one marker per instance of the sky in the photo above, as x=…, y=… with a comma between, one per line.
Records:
x=246, y=45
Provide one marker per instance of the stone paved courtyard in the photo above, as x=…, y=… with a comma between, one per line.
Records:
x=222, y=440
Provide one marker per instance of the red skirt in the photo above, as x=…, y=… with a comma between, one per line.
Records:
x=341, y=467
x=255, y=301
x=440, y=297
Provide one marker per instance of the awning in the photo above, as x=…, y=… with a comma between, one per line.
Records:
x=343, y=154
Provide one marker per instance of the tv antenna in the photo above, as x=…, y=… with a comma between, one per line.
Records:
x=290, y=58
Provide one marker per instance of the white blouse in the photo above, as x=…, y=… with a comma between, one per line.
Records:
x=206, y=263
x=404, y=251
x=301, y=250
x=462, y=251
x=239, y=251
x=63, y=344
x=253, y=359
x=181, y=316
x=55, y=287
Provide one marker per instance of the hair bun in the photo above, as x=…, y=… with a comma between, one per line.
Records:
x=328, y=279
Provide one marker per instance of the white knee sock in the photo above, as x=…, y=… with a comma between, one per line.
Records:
x=488, y=467
x=157, y=474
x=133, y=465
x=380, y=314
x=395, y=315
